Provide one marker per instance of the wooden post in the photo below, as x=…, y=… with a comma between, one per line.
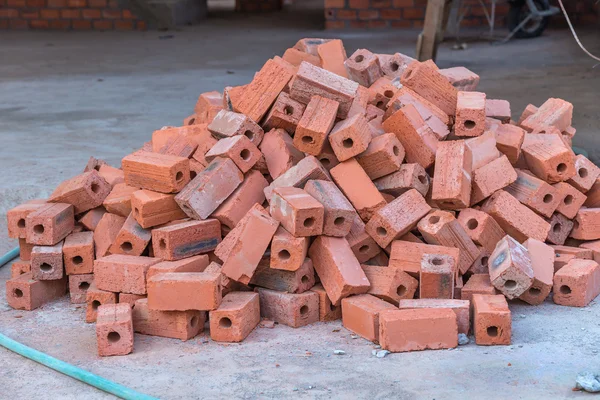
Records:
x=436, y=19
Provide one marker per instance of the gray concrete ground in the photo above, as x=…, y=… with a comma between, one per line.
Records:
x=64, y=97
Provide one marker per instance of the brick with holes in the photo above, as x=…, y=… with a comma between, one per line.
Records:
x=350, y=137
x=383, y=156
x=84, y=192
x=114, y=330
x=427, y=81
x=78, y=287
x=397, y=218
x=436, y=276
x=393, y=65
x=363, y=67
x=470, y=114
x=191, y=264
x=287, y=251
x=181, y=291
x=122, y=273
x=564, y=254
x=360, y=314
x=460, y=308
x=327, y=311
x=237, y=148
x=407, y=256
x=442, y=228
x=186, y=239
x=477, y=284
x=560, y=228
x=587, y=173
x=390, y=284
x=226, y=246
x=20, y=267
x=362, y=244
x=593, y=195
x=514, y=218
x=548, y=157
x=409, y=176
x=284, y=114
x=159, y=172
x=380, y=93
x=542, y=263
x=308, y=168
x=209, y=189
x=279, y=152
x=314, y=126
x=47, y=262
x=492, y=177
x=49, y=224
x=130, y=298
x=534, y=193
x=228, y=124
x=491, y=320
x=509, y=139
x=132, y=239
x=480, y=265
x=297, y=211
x=577, y=283
x=338, y=212
x=236, y=317
x=183, y=325
x=78, y=253
x=554, y=112
x=594, y=246
x=25, y=250
x=152, y=208
x=481, y=228
x=118, y=200
x=452, y=184
x=571, y=199
x=17, y=217
x=298, y=281
x=586, y=225
x=289, y=309
x=358, y=188
x=26, y=293
x=94, y=298
x=338, y=268
x=510, y=268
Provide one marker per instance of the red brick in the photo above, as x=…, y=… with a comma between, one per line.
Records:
x=333, y=24
x=152, y=208
x=338, y=212
x=548, y=157
x=390, y=284
x=391, y=14
x=452, y=183
x=30, y=14
x=191, y=264
x=181, y=291
x=237, y=148
x=82, y=24
x=17, y=218
x=111, y=14
x=586, y=226
x=535, y=193
x=426, y=80
x=327, y=311
x=78, y=252
x=114, y=330
x=84, y=192
x=236, y=317
x=186, y=239
x=577, y=283
x=363, y=246
x=315, y=124
x=491, y=320
x=553, y=113
x=122, y=273
x=181, y=325
x=49, y=14
x=25, y=293
x=308, y=168
x=228, y=123
x=16, y=3
x=298, y=281
x=571, y=199
x=14, y=23
x=460, y=308
x=60, y=24
x=106, y=25
x=78, y=287
x=360, y=314
x=97, y=3
x=510, y=268
x=299, y=213
x=542, y=263
x=91, y=14
x=141, y=25
x=289, y=309
x=49, y=224
x=70, y=14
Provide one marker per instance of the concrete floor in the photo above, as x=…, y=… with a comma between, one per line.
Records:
x=66, y=96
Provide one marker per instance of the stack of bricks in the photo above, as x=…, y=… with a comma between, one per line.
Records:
x=101, y=15
x=373, y=188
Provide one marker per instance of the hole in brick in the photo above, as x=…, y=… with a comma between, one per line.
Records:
x=359, y=58
x=95, y=187
x=18, y=293
x=193, y=174
x=284, y=255
x=21, y=223
x=39, y=229
x=422, y=179
x=568, y=199
x=381, y=231
x=534, y=291
x=575, y=224
x=332, y=307
x=45, y=267
x=379, y=104
x=564, y=289
x=396, y=151
x=191, y=121
x=308, y=222
x=330, y=13
x=510, y=284
x=95, y=304
x=179, y=176
x=408, y=74
x=339, y=221
x=434, y=220
x=394, y=66
x=162, y=244
x=484, y=260
x=583, y=172
x=469, y=124
x=308, y=140
x=97, y=167
x=325, y=161
x=194, y=321
x=388, y=93
x=472, y=224
x=288, y=110
x=548, y=198
x=556, y=228
x=401, y=290
x=304, y=279
x=363, y=249
x=437, y=261
x=245, y=154
x=561, y=168
x=348, y=143
x=136, y=211
x=126, y=246
x=225, y=322
x=84, y=285
x=113, y=337
x=303, y=310
x=249, y=135
x=492, y=331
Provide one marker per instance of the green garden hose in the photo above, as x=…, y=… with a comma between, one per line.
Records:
x=63, y=367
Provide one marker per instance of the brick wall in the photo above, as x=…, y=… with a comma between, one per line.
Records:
x=100, y=15
x=257, y=5
x=359, y=14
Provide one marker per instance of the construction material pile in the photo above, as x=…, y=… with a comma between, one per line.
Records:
x=376, y=189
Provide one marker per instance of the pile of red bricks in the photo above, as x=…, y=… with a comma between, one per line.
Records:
x=375, y=189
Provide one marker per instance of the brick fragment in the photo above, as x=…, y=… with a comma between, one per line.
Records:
x=360, y=314
x=94, y=299
x=250, y=192
x=492, y=177
x=25, y=250
x=106, y=232
x=534, y=193
x=327, y=311
x=393, y=65
x=363, y=67
x=279, y=152
x=409, y=176
x=571, y=199
x=481, y=228
x=593, y=246
x=290, y=309
x=333, y=55
x=181, y=291
x=183, y=325
x=548, y=157
x=554, y=113
x=477, y=284
x=113, y=176
x=491, y=320
x=295, y=57
x=310, y=45
x=470, y=114
x=452, y=175
x=380, y=93
x=460, y=308
x=159, y=172
x=593, y=195
x=47, y=262
x=427, y=81
x=338, y=268
x=564, y=254
x=586, y=225
x=208, y=105
x=577, y=283
x=152, y=208
x=49, y=224
x=25, y=293
x=362, y=244
x=118, y=200
x=314, y=126
x=17, y=217
x=418, y=329
x=78, y=287
x=482, y=149
x=397, y=218
x=509, y=139
x=90, y=219
x=338, y=212
x=542, y=263
x=114, y=330
x=498, y=109
x=510, y=268
x=356, y=185
x=586, y=176
x=461, y=78
x=228, y=124
x=130, y=298
x=298, y=281
x=236, y=317
x=20, y=267
x=122, y=273
x=390, y=284
x=78, y=253
x=84, y=192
